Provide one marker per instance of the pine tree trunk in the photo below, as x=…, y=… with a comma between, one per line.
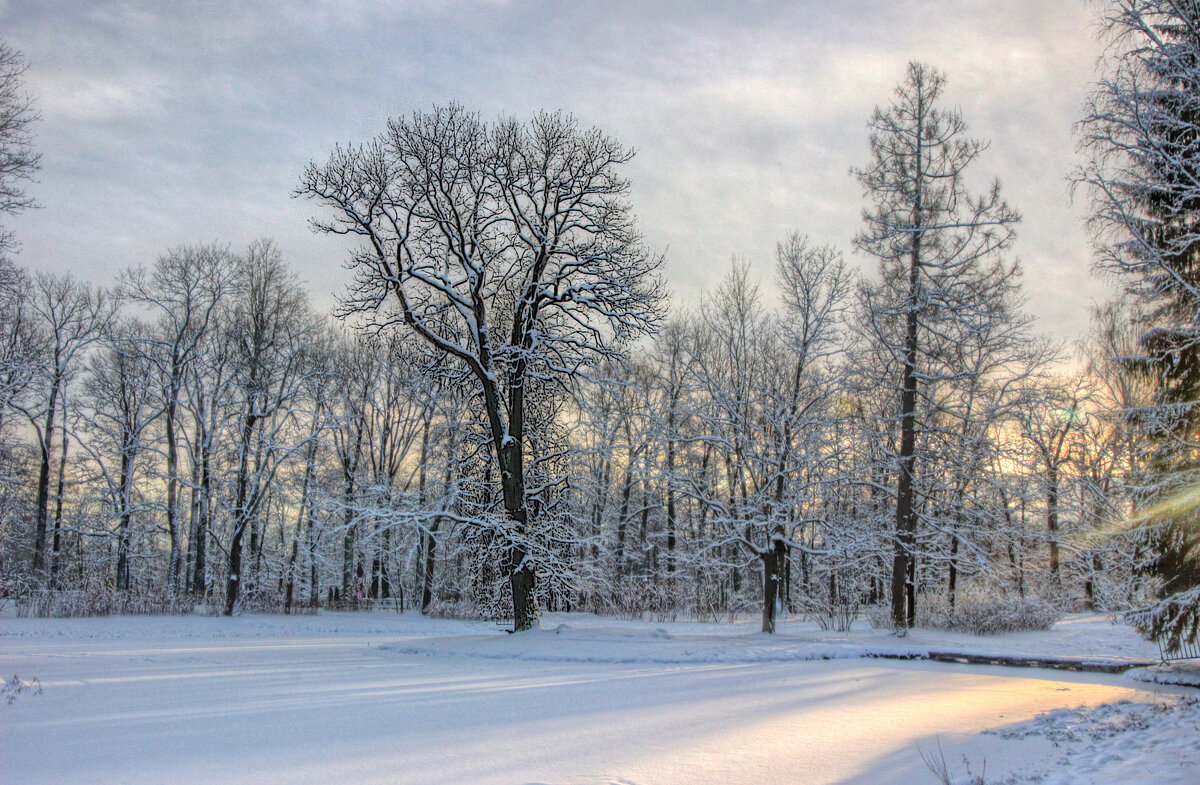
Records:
x=906, y=521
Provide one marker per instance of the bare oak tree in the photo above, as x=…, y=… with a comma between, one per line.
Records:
x=510, y=247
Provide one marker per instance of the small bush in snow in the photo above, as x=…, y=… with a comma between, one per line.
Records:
x=97, y=601
x=838, y=614
x=16, y=687
x=936, y=762
x=986, y=613
x=639, y=599
x=466, y=609
x=879, y=616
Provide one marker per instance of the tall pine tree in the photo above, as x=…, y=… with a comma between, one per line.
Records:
x=938, y=247
x=1143, y=171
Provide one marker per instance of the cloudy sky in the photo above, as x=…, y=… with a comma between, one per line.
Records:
x=167, y=123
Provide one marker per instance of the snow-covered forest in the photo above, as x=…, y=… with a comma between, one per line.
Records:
x=196, y=432
x=799, y=513
x=508, y=414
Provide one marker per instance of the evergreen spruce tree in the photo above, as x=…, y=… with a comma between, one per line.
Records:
x=1141, y=136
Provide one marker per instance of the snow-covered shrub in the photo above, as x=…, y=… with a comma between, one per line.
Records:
x=97, y=601
x=638, y=599
x=986, y=613
x=834, y=597
x=878, y=616
x=16, y=687
x=718, y=605
x=836, y=613
x=259, y=599
x=464, y=608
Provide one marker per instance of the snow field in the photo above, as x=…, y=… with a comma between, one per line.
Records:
x=381, y=698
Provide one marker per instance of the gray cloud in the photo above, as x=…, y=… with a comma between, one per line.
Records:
x=170, y=123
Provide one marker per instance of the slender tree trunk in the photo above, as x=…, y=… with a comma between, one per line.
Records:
x=348, y=540
x=203, y=520
x=906, y=521
x=787, y=583
x=1052, y=519
x=189, y=558
x=175, y=565
x=427, y=544
x=671, y=524
x=643, y=529
x=622, y=518
x=242, y=514
x=599, y=503
x=348, y=545
x=952, y=588
x=43, y=492
x=291, y=574
x=258, y=519
x=124, y=491
x=385, y=581
x=910, y=590
x=301, y=517
x=376, y=562
x=350, y=464
x=314, y=572
x=430, y=561
x=56, y=548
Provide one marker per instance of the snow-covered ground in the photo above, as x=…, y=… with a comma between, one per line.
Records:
x=582, y=638
x=384, y=698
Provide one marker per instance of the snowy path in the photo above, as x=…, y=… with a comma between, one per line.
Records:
x=301, y=705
